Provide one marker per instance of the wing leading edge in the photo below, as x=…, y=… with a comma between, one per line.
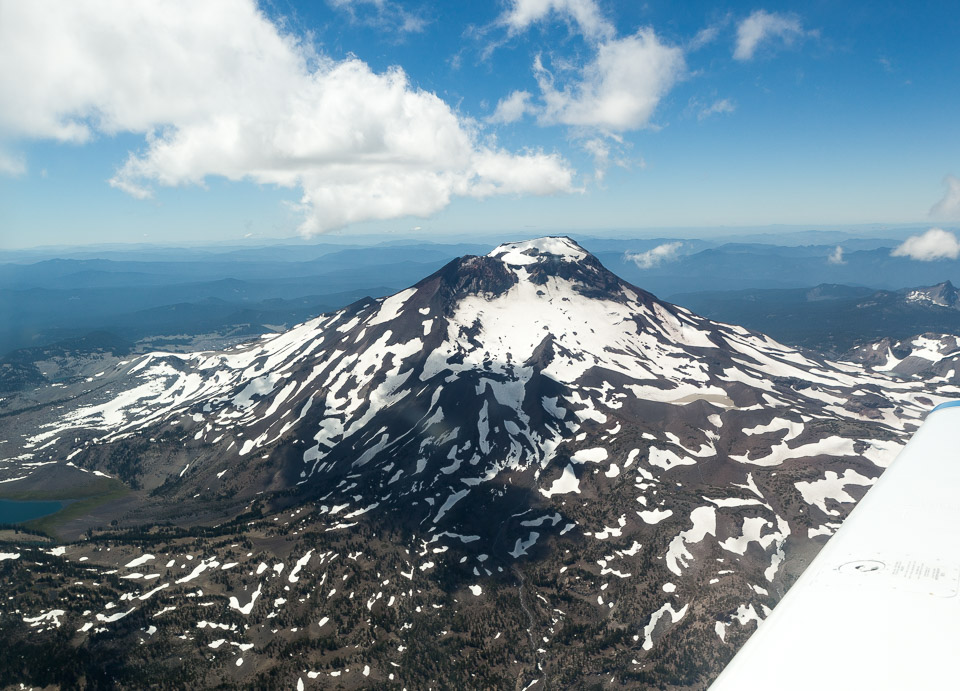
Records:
x=878, y=608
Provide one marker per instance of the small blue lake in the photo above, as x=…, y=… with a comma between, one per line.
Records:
x=21, y=511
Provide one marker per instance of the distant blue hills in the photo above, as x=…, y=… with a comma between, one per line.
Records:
x=134, y=293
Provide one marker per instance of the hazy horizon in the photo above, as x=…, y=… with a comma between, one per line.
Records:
x=767, y=234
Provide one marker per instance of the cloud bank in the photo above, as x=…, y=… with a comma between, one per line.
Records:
x=217, y=89
x=936, y=243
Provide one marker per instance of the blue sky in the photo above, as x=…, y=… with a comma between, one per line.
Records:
x=129, y=121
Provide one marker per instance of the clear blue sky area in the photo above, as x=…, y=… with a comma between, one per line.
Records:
x=215, y=121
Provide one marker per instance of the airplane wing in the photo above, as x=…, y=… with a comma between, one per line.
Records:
x=878, y=607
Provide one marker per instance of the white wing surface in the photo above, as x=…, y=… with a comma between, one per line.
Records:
x=878, y=607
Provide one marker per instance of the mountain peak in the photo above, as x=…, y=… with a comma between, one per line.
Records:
x=537, y=250
x=558, y=261
x=942, y=294
x=557, y=257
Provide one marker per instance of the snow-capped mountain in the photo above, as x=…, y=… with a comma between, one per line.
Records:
x=943, y=295
x=522, y=419
x=930, y=356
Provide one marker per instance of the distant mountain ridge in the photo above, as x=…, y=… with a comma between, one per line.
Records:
x=942, y=295
x=834, y=318
x=46, y=299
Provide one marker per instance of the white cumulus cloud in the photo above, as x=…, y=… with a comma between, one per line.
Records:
x=584, y=13
x=619, y=90
x=762, y=27
x=511, y=108
x=836, y=257
x=217, y=89
x=936, y=243
x=949, y=206
x=615, y=90
x=666, y=252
